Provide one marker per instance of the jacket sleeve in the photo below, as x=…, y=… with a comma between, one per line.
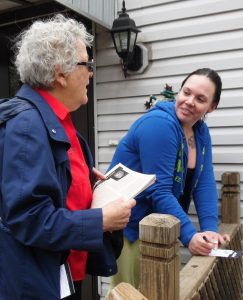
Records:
x=33, y=206
x=158, y=141
x=205, y=194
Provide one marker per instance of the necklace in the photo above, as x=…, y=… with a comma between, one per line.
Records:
x=191, y=142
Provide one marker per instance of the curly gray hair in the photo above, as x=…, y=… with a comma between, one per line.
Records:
x=46, y=44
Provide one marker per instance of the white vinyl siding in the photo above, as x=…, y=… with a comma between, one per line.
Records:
x=102, y=12
x=181, y=36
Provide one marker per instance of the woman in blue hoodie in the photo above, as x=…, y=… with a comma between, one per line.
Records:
x=172, y=141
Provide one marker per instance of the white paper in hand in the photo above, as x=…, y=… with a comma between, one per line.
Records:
x=120, y=181
x=225, y=253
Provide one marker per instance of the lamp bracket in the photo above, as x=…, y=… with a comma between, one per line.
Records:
x=139, y=61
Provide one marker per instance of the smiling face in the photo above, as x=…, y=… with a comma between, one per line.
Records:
x=195, y=99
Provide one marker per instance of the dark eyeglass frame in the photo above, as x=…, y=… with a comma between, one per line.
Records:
x=88, y=64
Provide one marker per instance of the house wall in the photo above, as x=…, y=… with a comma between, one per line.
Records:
x=100, y=11
x=181, y=36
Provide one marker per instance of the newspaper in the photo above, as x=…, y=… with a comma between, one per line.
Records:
x=120, y=181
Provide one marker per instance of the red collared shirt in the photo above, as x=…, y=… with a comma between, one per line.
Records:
x=80, y=193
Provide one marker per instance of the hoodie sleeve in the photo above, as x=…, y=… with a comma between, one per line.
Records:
x=158, y=140
x=205, y=193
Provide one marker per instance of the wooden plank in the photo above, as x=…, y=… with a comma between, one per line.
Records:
x=196, y=296
x=214, y=285
x=125, y=291
x=230, y=229
x=199, y=266
x=224, y=280
x=219, y=282
x=203, y=292
x=209, y=287
x=227, y=273
x=235, y=244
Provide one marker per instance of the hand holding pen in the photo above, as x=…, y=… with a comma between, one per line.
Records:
x=213, y=241
x=202, y=243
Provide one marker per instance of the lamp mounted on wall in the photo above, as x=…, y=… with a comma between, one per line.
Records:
x=124, y=35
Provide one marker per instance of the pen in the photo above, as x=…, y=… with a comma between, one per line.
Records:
x=205, y=239
x=215, y=242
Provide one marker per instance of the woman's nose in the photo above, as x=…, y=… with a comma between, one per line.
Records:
x=190, y=101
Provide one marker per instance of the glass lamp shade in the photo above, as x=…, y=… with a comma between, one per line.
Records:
x=124, y=34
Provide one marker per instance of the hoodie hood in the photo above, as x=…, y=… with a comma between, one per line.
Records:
x=169, y=108
x=11, y=107
x=166, y=106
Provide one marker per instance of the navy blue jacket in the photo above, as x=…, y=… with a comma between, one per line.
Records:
x=36, y=229
x=155, y=144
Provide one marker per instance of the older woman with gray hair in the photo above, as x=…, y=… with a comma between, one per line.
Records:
x=46, y=171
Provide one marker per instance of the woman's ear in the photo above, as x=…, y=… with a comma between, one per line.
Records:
x=60, y=77
x=212, y=108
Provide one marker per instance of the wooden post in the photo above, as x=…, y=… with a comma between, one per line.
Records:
x=231, y=197
x=159, y=262
x=125, y=291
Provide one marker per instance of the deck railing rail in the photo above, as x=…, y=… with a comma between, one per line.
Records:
x=202, y=278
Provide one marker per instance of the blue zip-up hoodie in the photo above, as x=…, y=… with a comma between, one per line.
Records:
x=36, y=228
x=155, y=144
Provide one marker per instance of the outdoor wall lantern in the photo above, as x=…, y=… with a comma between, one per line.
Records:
x=124, y=35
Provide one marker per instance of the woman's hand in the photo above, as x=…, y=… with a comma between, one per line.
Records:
x=98, y=175
x=116, y=214
x=203, y=242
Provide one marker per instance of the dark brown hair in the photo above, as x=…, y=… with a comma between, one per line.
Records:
x=213, y=76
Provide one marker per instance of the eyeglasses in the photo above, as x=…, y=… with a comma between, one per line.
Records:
x=88, y=64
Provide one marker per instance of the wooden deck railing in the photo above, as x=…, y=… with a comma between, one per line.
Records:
x=202, y=278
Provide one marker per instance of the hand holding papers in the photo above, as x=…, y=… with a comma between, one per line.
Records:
x=120, y=181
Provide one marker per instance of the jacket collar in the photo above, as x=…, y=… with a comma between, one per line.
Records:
x=50, y=120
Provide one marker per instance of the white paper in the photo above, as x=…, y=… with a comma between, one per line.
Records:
x=120, y=181
x=224, y=253
x=65, y=289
